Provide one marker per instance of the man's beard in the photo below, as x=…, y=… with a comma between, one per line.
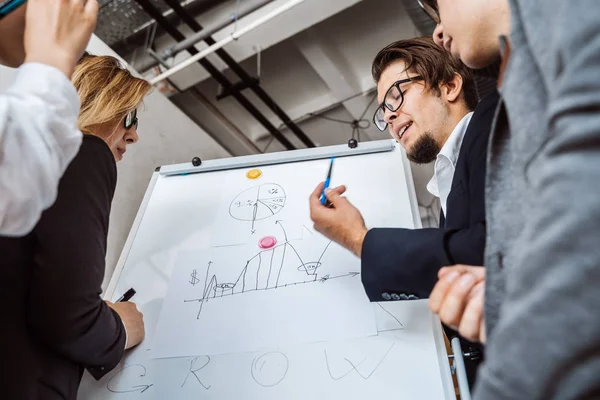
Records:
x=424, y=151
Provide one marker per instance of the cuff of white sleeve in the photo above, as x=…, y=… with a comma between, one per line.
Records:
x=48, y=82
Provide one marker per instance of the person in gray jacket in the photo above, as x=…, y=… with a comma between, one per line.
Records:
x=542, y=261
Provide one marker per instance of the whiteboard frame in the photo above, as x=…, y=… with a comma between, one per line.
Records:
x=416, y=214
x=256, y=160
x=281, y=158
x=109, y=292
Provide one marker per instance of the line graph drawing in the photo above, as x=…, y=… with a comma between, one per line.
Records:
x=353, y=366
x=258, y=203
x=270, y=369
x=392, y=323
x=265, y=271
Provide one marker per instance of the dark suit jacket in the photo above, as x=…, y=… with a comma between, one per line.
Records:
x=402, y=264
x=54, y=323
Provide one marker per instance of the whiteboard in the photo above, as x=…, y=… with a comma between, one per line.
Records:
x=407, y=358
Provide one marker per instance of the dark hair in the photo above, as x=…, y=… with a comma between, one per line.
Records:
x=423, y=57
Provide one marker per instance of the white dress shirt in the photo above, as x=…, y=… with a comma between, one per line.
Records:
x=38, y=139
x=445, y=162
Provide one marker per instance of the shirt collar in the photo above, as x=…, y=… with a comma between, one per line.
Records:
x=451, y=148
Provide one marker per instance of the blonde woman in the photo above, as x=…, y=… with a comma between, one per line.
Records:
x=55, y=324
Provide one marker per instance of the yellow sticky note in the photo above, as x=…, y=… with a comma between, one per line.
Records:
x=253, y=174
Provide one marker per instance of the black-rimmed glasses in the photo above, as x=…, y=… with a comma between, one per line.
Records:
x=431, y=9
x=131, y=120
x=393, y=100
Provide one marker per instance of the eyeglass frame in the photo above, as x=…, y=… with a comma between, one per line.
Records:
x=383, y=103
x=134, y=120
x=430, y=10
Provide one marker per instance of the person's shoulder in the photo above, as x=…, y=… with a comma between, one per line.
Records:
x=486, y=107
x=93, y=161
x=94, y=149
x=94, y=146
x=480, y=127
x=481, y=122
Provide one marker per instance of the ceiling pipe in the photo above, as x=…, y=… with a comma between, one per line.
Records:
x=246, y=8
x=237, y=68
x=215, y=47
x=215, y=73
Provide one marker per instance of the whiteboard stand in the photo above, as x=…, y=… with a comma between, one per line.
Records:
x=291, y=157
x=459, y=369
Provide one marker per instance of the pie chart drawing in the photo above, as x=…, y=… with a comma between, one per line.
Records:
x=258, y=203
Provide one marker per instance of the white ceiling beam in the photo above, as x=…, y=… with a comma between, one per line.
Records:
x=334, y=70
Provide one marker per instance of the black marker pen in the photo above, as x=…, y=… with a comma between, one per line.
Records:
x=128, y=295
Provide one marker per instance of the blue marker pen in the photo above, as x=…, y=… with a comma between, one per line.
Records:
x=8, y=6
x=323, y=197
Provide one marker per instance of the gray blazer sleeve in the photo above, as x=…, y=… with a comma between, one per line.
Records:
x=547, y=342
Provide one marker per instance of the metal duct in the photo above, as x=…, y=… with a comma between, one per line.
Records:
x=119, y=19
x=122, y=23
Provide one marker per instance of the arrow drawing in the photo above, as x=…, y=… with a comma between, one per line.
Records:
x=134, y=388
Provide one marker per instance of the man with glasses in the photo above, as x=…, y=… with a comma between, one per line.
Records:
x=38, y=113
x=426, y=99
x=542, y=261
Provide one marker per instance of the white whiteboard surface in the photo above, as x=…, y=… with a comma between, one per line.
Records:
x=407, y=360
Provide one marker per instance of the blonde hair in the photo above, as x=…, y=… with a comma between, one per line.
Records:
x=107, y=91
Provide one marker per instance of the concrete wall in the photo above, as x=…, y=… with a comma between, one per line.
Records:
x=167, y=136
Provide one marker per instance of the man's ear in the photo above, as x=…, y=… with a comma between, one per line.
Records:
x=452, y=89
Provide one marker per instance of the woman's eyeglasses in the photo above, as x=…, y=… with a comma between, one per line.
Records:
x=431, y=9
x=131, y=120
x=393, y=100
